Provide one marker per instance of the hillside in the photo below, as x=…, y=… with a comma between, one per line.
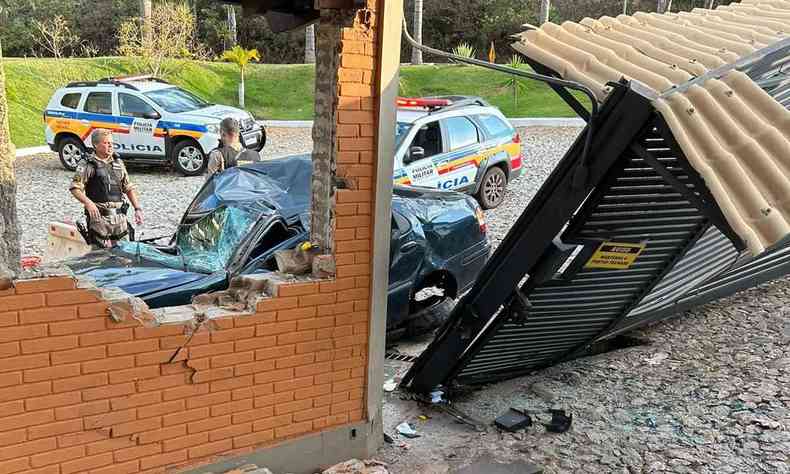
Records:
x=274, y=92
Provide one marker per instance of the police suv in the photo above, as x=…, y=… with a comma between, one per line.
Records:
x=459, y=143
x=152, y=122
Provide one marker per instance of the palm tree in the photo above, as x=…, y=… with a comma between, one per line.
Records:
x=309, y=44
x=416, y=54
x=9, y=230
x=231, y=24
x=625, y=7
x=241, y=57
x=145, y=14
x=545, y=6
x=661, y=6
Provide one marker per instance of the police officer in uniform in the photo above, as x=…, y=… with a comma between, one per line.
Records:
x=100, y=183
x=227, y=154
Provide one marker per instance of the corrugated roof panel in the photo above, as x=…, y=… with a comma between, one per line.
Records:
x=732, y=131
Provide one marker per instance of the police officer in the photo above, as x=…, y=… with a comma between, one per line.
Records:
x=227, y=155
x=100, y=184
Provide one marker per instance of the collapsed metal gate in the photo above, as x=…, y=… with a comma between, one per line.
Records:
x=538, y=301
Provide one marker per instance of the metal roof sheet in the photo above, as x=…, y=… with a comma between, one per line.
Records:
x=734, y=133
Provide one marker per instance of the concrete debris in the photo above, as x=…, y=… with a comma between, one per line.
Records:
x=248, y=469
x=355, y=466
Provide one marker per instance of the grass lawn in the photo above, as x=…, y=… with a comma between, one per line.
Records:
x=281, y=92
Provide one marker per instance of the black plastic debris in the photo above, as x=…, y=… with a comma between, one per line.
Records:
x=560, y=421
x=513, y=420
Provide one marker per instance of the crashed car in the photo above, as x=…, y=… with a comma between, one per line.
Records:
x=241, y=217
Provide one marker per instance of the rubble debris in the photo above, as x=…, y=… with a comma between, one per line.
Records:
x=513, y=420
x=560, y=421
x=249, y=469
x=390, y=385
x=406, y=429
x=355, y=466
x=488, y=465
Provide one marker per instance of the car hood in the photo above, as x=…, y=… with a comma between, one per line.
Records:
x=215, y=113
x=114, y=268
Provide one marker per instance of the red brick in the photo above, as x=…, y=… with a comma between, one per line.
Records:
x=45, y=315
x=298, y=405
x=108, y=391
x=312, y=414
x=356, y=61
x=185, y=416
x=232, y=334
x=348, y=103
x=51, y=401
x=337, y=419
x=57, y=456
x=9, y=379
x=274, y=376
x=210, y=448
x=78, y=327
x=7, y=438
x=316, y=323
x=28, y=419
x=368, y=130
x=255, y=343
x=253, y=439
x=351, y=295
x=160, y=409
x=210, y=350
x=353, y=246
x=25, y=391
x=295, y=361
x=232, y=359
x=14, y=303
x=349, y=75
x=19, y=333
x=159, y=331
x=355, y=89
x=208, y=400
x=76, y=383
x=15, y=465
x=314, y=346
x=139, y=426
x=24, y=362
x=255, y=319
x=107, y=445
x=82, y=409
x=106, y=337
x=199, y=364
x=160, y=357
x=26, y=449
x=254, y=391
x=93, y=310
x=78, y=355
x=49, y=344
x=231, y=384
x=107, y=420
x=230, y=432
x=50, y=373
x=255, y=367
x=44, y=285
x=275, y=329
x=276, y=304
x=55, y=429
x=354, y=116
x=129, y=467
x=123, y=455
x=260, y=413
x=208, y=424
x=185, y=442
x=162, y=382
x=139, y=373
x=9, y=349
x=164, y=433
x=296, y=337
x=275, y=352
x=295, y=314
x=213, y=374
x=348, y=130
x=352, y=221
x=11, y=408
x=186, y=391
x=81, y=438
x=317, y=299
x=293, y=429
x=124, y=348
x=73, y=297
x=163, y=459
x=108, y=365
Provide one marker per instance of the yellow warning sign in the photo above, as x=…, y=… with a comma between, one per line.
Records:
x=613, y=255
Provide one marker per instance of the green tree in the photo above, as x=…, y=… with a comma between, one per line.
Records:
x=241, y=57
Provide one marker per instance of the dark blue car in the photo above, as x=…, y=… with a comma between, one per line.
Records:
x=243, y=215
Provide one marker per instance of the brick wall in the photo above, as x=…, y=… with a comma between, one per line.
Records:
x=82, y=393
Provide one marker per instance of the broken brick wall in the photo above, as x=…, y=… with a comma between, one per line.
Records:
x=80, y=392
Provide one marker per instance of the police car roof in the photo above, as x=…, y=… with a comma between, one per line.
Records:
x=411, y=115
x=142, y=84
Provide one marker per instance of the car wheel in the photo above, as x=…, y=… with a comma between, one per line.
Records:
x=492, y=189
x=262, y=143
x=430, y=318
x=70, y=151
x=189, y=159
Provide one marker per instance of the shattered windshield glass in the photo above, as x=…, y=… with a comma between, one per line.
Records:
x=204, y=246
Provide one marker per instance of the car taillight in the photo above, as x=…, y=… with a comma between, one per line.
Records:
x=481, y=220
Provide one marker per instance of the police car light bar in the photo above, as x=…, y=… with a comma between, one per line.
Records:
x=429, y=103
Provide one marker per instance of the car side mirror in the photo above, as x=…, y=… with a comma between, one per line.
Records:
x=416, y=153
x=152, y=115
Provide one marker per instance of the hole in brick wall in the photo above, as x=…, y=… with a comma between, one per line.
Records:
x=353, y=433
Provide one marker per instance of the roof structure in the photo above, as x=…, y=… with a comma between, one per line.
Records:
x=709, y=74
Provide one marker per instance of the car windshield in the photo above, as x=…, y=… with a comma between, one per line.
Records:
x=401, y=130
x=176, y=100
x=204, y=246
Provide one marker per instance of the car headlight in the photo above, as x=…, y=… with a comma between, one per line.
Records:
x=213, y=128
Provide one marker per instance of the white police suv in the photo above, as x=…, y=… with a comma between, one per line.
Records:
x=456, y=142
x=152, y=122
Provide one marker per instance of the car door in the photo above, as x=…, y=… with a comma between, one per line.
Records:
x=407, y=251
x=98, y=113
x=142, y=119
x=457, y=168
x=419, y=158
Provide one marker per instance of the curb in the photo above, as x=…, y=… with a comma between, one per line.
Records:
x=22, y=152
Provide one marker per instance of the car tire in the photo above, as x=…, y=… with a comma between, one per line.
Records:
x=262, y=143
x=429, y=318
x=70, y=151
x=492, y=188
x=189, y=159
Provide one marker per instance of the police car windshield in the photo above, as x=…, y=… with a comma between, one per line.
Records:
x=176, y=100
x=401, y=130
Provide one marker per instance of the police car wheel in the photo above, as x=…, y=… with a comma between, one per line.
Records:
x=70, y=151
x=492, y=190
x=263, y=140
x=189, y=159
